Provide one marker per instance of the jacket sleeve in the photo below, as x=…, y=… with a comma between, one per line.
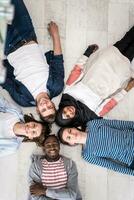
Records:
x=16, y=89
x=35, y=176
x=6, y=106
x=18, y=92
x=70, y=192
x=35, y=171
x=110, y=103
x=8, y=146
x=56, y=73
x=109, y=164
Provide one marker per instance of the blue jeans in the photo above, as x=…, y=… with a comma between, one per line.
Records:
x=21, y=30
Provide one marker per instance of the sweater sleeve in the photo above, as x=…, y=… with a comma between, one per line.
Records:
x=6, y=106
x=35, y=176
x=8, y=146
x=107, y=163
x=70, y=192
x=77, y=72
x=35, y=171
x=110, y=103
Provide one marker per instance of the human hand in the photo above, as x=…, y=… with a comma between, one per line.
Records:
x=37, y=189
x=53, y=29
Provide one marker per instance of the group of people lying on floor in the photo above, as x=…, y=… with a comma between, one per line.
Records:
x=95, y=86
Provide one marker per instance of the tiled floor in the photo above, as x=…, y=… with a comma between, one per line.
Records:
x=81, y=22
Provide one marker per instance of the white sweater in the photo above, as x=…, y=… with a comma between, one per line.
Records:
x=105, y=74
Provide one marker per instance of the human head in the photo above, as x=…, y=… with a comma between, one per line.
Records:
x=69, y=136
x=35, y=128
x=46, y=109
x=66, y=116
x=51, y=148
x=68, y=112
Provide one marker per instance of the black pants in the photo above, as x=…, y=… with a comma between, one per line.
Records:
x=126, y=44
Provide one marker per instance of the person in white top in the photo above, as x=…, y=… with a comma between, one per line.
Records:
x=32, y=78
x=98, y=83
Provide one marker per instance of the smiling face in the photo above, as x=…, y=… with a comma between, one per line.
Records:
x=68, y=112
x=71, y=136
x=51, y=148
x=45, y=107
x=33, y=129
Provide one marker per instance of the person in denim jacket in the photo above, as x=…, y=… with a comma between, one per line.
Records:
x=32, y=78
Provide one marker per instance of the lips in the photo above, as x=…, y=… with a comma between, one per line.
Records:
x=53, y=152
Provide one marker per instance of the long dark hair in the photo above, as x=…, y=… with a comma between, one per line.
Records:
x=44, y=133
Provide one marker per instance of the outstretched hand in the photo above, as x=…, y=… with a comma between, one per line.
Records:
x=37, y=189
x=53, y=29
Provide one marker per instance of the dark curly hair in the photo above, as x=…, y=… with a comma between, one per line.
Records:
x=52, y=135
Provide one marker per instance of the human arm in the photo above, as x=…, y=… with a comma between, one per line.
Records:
x=108, y=163
x=7, y=106
x=8, y=146
x=54, y=32
x=55, y=83
x=116, y=125
x=78, y=70
x=18, y=92
x=111, y=102
x=70, y=192
x=16, y=89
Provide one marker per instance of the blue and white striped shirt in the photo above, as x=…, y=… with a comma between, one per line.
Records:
x=110, y=144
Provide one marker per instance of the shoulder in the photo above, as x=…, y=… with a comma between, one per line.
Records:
x=36, y=159
x=68, y=163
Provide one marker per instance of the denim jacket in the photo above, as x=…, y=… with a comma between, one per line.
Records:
x=9, y=145
x=55, y=83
